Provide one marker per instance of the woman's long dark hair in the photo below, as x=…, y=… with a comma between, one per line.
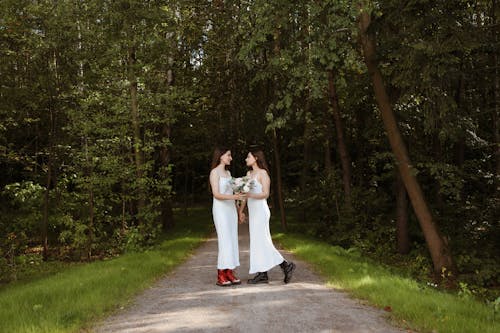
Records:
x=218, y=152
x=261, y=159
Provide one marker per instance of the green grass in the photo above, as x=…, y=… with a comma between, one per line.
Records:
x=77, y=296
x=413, y=305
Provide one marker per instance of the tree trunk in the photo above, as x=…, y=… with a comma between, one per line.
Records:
x=52, y=135
x=403, y=240
x=496, y=95
x=328, y=143
x=360, y=156
x=186, y=183
x=342, y=148
x=91, y=223
x=438, y=248
x=91, y=202
x=279, y=184
x=461, y=144
x=124, y=222
x=306, y=160
x=134, y=108
x=328, y=157
x=277, y=160
x=45, y=219
x=438, y=158
x=306, y=152
x=167, y=215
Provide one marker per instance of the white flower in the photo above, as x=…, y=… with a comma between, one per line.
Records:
x=241, y=184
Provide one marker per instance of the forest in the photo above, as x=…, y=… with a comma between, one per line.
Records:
x=379, y=119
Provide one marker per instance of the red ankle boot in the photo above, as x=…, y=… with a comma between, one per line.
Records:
x=222, y=279
x=230, y=276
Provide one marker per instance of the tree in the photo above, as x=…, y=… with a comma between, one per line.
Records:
x=438, y=248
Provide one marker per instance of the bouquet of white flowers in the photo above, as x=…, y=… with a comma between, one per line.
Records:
x=241, y=184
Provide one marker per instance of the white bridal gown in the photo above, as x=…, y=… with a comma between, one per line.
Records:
x=263, y=254
x=226, y=223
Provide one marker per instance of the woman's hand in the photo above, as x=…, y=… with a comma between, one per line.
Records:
x=257, y=196
x=240, y=196
x=241, y=218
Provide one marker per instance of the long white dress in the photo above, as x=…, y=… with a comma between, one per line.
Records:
x=263, y=254
x=226, y=224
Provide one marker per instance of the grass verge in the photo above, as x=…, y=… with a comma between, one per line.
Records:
x=77, y=296
x=411, y=304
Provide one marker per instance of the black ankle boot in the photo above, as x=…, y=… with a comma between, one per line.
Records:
x=287, y=268
x=259, y=278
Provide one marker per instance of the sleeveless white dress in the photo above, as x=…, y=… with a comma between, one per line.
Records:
x=226, y=224
x=263, y=254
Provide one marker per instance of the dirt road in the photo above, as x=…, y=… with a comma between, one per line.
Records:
x=187, y=300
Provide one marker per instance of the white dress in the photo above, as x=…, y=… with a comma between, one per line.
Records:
x=226, y=224
x=263, y=254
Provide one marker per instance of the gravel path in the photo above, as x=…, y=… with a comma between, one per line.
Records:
x=187, y=300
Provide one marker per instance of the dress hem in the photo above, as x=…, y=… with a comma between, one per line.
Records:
x=265, y=270
x=229, y=267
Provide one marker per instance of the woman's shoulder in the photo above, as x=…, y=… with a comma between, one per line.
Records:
x=262, y=176
x=214, y=173
x=263, y=172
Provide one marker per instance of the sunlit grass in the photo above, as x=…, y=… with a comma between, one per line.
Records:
x=412, y=304
x=72, y=298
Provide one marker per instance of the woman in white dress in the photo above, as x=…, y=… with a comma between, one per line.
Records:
x=263, y=254
x=225, y=217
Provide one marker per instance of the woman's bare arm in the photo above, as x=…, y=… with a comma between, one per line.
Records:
x=214, y=184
